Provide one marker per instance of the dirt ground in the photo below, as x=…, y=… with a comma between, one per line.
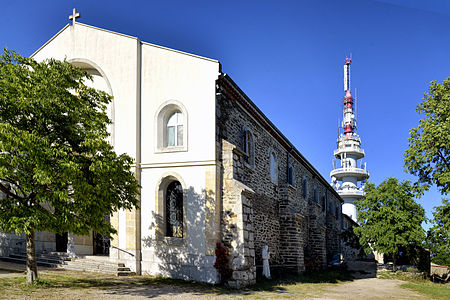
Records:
x=368, y=288
x=363, y=288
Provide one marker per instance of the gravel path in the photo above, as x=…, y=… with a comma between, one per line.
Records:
x=370, y=288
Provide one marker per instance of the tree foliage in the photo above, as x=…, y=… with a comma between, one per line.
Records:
x=428, y=153
x=57, y=170
x=438, y=236
x=389, y=217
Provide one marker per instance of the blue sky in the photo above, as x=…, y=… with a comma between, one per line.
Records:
x=288, y=57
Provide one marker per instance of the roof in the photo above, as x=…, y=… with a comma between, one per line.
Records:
x=350, y=220
x=237, y=94
x=123, y=35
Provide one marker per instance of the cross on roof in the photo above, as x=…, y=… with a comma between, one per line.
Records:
x=74, y=16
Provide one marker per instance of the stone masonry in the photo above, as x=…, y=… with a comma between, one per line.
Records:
x=296, y=219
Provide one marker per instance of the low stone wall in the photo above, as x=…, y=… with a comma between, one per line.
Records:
x=442, y=272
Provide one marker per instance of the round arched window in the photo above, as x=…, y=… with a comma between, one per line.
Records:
x=174, y=210
x=174, y=130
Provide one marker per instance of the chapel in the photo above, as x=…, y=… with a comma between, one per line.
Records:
x=212, y=167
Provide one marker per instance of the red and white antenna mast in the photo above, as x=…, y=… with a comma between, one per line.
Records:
x=349, y=122
x=349, y=179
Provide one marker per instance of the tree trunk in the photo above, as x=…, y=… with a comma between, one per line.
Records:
x=394, y=264
x=31, y=258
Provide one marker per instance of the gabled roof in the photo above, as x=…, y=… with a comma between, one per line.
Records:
x=123, y=35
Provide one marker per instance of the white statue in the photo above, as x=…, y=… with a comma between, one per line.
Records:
x=265, y=257
x=71, y=245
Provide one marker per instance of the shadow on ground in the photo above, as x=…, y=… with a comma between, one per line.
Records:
x=152, y=287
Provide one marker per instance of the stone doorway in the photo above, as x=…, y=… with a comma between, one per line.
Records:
x=101, y=244
x=61, y=242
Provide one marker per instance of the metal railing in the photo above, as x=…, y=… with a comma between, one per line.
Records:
x=349, y=170
x=355, y=191
x=354, y=149
x=129, y=253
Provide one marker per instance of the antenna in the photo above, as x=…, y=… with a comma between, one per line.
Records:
x=356, y=101
x=347, y=74
x=338, y=127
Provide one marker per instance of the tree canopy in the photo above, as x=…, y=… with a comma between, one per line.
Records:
x=428, y=153
x=57, y=170
x=438, y=236
x=389, y=217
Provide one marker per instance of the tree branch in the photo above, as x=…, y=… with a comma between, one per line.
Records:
x=444, y=159
x=6, y=190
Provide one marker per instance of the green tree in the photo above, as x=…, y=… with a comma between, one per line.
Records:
x=57, y=170
x=428, y=153
x=438, y=236
x=389, y=217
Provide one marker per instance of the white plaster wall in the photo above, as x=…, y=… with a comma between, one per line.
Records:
x=169, y=75
x=116, y=56
x=188, y=260
x=166, y=75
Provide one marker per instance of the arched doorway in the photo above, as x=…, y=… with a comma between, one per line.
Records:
x=99, y=81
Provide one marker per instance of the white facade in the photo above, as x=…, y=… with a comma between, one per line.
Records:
x=149, y=84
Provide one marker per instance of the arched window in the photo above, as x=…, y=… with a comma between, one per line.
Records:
x=174, y=130
x=174, y=210
x=305, y=187
x=332, y=209
x=171, y=127
x=290, y=175
x=316, y=196
x=248, y=147
x=273, y=168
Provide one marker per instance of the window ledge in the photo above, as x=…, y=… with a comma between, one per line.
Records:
x=172, y=241
x=172, y=149
x=249, y=166
x=293, y=188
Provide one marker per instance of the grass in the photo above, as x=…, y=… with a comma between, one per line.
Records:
x=63, y=284
x=421, y=285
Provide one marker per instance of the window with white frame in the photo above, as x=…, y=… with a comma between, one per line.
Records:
x=171, y=127
x=273, y=168
x=174, y=130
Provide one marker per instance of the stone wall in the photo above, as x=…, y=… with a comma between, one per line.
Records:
x=350, y=251
x=237, y=220
x=291, y=220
